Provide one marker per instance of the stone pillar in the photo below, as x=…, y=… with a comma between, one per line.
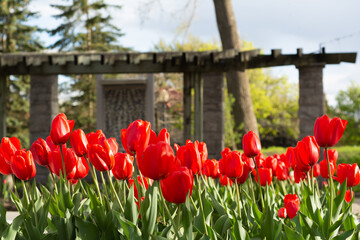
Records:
x=311, y=97
x=214, y=132
x=43, y=108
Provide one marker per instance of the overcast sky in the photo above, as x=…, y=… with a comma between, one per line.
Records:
x=280, y=24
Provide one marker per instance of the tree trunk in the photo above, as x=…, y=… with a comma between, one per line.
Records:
x=237, y=82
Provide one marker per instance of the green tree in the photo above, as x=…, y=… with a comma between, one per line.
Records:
x=348, y=108
x=17, y=36
x=86, y=26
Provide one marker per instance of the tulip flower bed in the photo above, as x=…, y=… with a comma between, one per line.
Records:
x=152, y=192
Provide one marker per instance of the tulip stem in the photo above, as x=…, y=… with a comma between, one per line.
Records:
x=201, y=205
x=53, y=178
x=168, y=212
x=136, y=181
x=193, y=203
x=25, y=192
x=312, y=180
x=252, y=189
x=260, y=189
x=34, y=208
x=14, y=184
x=238, y=198
x=283, y=187
x=178, y=217
x=104, y=185
x=331, y=186
x=93, y=175
x=114, y=192
x=64, y=168
x=124, y=190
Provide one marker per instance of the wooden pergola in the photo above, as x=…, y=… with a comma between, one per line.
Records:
x=202, y=71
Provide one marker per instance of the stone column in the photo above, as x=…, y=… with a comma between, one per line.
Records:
x=43, y=108
x=311, y=97
x=214, y=132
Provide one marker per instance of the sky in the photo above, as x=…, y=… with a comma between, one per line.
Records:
x=277, y=24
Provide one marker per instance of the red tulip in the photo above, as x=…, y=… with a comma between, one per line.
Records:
x=291, y=197
x=283, y=158
x=70, y=159
x=202, y=148
x=224, y=180
x=211, y=168
x=328, y=131
x=9, y=147
x=299, y=175
x=82, y=169
x=290, y=154
x=136, y=137
x=52, y=146
x=248, y=166
x=97, y=137
x=271, y=162
x=324, y=169
x=306, y=153
x=282, y=172
x=23, y=165
x=316, y=170
x=157, y=161
x=131, y=182
x=332, y=154
x=349, y=195
x=292, y=205
x=101, y=156
x=61, y=129
x=265, y=175
x=189, y=156
x=282, y=212
x=5, y=168
x=251, y=144
x=123, y=168
x=232, y=165
x=79, y=142
x=225, y=152
x=40, y=151
x=291, y=209
x=349, y=172
x=163, y=136
x=177, y=185
x=113, y=145
x=260, y=160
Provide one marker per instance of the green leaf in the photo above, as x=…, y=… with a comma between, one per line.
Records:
x=345, y=235
x=130, y=230
x=240, y=232
x=86, y=230
x=291, y=234
x=222, y=224
x=31, y=230
x=340, y=221
x=338, y=201
x=310, y=224
x=148, y=209
x=12, y=230
x=270, y=227
x=187, y=219
x=257, y=214
x=131, y=210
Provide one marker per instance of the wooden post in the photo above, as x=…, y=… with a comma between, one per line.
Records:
x=3, y=94
x=199, y=99
x=187, y=105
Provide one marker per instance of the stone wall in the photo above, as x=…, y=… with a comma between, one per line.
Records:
x=213, y=108
x=311, y=97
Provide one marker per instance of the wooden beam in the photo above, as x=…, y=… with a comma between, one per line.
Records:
x=199, y=100
x=3, y=94
x=187, y=105
x=166, y=62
